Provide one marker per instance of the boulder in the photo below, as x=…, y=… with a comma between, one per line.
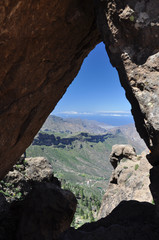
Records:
x=33, y=205
x=120, y=151
x=47, y=211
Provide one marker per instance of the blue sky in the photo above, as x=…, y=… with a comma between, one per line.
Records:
x=96, y=89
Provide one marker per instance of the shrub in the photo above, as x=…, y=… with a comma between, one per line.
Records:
x=136, y=166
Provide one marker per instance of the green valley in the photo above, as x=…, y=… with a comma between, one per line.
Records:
x=81, y=159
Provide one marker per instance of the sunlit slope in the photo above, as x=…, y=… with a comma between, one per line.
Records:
x=81, y=158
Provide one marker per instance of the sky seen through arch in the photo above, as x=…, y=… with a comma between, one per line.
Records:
x=96, y=92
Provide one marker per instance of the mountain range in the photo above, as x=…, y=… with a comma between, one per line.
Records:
x=68, y=126
x=74, y=125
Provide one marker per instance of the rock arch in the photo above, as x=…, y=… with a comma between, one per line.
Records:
x=43, y=44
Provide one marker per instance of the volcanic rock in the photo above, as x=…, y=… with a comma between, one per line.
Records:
x=129, y=180
x=34, y=206
x=121, y=151
x=130, y=30
x=47, y=211
x=42, y=44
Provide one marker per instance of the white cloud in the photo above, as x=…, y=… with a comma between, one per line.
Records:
x=115, y=115
x=68, y=112
x=101, y=113
x=114, y=112
x=74, y=113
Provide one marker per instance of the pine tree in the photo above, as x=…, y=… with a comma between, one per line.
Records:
x=91, y=217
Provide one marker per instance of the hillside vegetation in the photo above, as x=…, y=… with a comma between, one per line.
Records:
x=81, y=159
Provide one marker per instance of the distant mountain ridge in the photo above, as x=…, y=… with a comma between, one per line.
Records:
x=74, y=125
x=68, y=126
x=130, y=133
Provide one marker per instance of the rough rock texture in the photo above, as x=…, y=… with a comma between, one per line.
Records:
x=120, y=151
x=23, y=176
x=130, y=30
x=42, y=46
x=129, y=181
x=131, y=220
x=34, y=206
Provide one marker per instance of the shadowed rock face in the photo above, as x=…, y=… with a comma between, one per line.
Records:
x=34, y=206
x=130, y=30
x=130, y=220
x=42, y=46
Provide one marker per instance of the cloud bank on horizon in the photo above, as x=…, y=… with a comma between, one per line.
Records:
x=96, y=90
x=100, y=113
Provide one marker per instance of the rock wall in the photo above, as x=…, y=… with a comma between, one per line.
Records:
x=42, y=45
x=130, y=30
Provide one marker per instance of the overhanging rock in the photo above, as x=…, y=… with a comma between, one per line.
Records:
x=42, y=46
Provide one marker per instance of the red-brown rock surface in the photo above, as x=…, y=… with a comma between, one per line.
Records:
x=42, y=46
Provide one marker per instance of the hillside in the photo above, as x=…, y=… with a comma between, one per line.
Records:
x=131, y=135
x=81, y=157
x=68, y=126
x=74, y=125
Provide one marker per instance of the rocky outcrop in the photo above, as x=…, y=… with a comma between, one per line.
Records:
x=129, y=180
x=34, y=206
x=121, y=151
x=23, y=176
x=47, y=211
x=130, y=30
